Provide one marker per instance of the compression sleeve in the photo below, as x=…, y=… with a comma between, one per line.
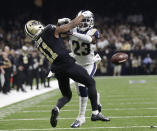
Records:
x=83, y=37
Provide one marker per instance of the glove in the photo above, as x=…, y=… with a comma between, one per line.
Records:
x=63, y=21
x=86, y=14
x=51, y=74
x=97, y=58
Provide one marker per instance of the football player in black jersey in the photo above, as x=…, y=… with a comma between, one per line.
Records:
x=47, y=40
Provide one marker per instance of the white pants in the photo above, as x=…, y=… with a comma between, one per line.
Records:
x=91, y=69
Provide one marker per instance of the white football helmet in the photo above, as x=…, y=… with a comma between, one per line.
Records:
x=33, y=28
x=87, y=23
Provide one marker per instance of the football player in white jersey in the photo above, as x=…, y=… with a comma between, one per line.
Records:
x=83, y=43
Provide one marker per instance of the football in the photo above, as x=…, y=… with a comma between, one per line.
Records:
x=119, y=58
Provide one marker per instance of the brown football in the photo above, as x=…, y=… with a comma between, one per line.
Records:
x=119, y=58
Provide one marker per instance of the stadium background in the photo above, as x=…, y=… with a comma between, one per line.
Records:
x=126, y=25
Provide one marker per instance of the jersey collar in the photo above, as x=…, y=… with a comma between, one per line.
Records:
x=82, y=32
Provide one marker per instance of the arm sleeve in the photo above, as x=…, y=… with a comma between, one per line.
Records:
x=83, y=37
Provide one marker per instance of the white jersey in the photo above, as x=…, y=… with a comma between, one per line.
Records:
x=81, y=51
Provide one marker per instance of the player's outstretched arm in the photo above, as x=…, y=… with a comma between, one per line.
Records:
x=72, y=24
x=69, y=26
x=84, y=37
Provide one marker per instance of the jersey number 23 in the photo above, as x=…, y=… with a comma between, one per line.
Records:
x=81, y=49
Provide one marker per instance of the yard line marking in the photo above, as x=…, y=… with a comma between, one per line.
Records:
x=137, y=81
x=124, y=96
x=28, y=103
x=85, y=128
x=122, y=77
x=119, y=117
x=40, y=119
x=126, y=99
x=113, y=109
x=73, y=100
x=131, y=103
x=121, y=103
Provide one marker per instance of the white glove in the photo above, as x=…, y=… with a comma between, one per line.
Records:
x=71, y=54
x=97, y=58
x=51, y=74
x=86, y=14
x=64, y=20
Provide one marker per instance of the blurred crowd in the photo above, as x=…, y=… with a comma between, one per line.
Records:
x=136, y=65
x=117, y=33
x=129, y=35
x=22, y=66
x=126, y=34
x=20, y=63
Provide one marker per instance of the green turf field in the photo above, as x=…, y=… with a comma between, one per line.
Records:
x=130, y=102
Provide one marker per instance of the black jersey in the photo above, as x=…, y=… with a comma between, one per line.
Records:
x=53, y=48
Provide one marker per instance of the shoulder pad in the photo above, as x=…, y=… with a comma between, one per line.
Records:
x=94, y=32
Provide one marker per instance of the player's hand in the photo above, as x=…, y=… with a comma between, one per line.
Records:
x=63, y=21
x=71, y=31
x=86, y=14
